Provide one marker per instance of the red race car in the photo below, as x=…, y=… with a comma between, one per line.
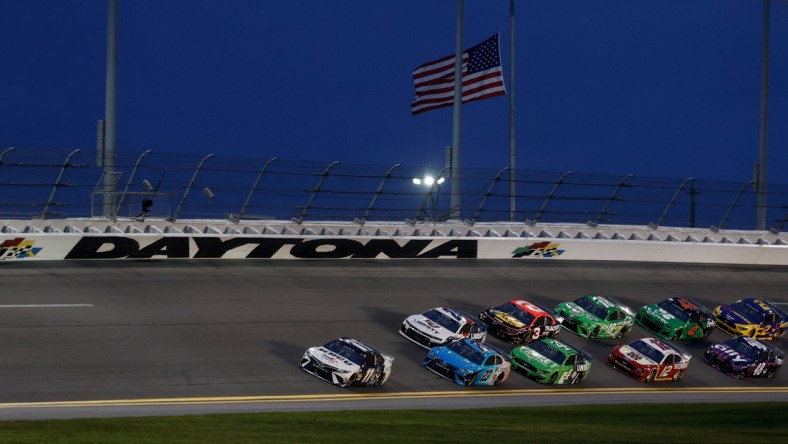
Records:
x=649, y=359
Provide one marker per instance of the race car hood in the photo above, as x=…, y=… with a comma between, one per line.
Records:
x=428, y=327
x=662, y=316
x=535, y=358
x=454, y=359
x=727, y=354
x=505, y=318
x=731, y=315
x=333, y=360
x=636, y=356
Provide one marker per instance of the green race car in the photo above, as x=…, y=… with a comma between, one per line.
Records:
x=595, y=316
x=676, y=318
x=549, y=361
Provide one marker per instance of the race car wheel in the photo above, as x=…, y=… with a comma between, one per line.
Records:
x=652, y=374
x=678, y=375
x=677, y=336
x=593, y=333
x=498, y=380
x=771, y=372
x=553, y=378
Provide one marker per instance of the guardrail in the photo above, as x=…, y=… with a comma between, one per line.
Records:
x=56, y=184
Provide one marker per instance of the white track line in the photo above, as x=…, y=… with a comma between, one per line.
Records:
x=47, y=306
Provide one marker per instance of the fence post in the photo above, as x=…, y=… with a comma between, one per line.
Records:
x=128, y=184
x=363, y=219
x=186, y=193
x=656, y=225
x=547, y=199
x=251, y=192
x=595, y=222
x=2, y=155
x=486, y=195
x=301, y=218
x=57, y=184
x=716, y=228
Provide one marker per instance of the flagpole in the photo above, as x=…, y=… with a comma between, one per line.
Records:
x=761, y=172
x=455, y=140
x=512, y=164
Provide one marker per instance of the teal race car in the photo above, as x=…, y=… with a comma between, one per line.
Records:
x=595, y=316
x=676, y=318
x=549, y=361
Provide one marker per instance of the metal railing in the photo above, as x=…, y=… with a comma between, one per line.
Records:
x=48, y=183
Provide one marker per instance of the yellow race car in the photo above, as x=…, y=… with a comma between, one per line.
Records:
x=752, y=317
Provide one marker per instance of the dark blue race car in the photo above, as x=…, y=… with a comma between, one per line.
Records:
x=743, y=357
x=469, y=362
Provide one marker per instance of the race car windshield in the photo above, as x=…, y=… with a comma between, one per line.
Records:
x=346, y=351
x=748, y=311
x=587, y=305
x=647, y=350
x=442, y=320
x=548, y=352
x=466, y=351
x=520, y=314
x=741, y=346
x=673, y=308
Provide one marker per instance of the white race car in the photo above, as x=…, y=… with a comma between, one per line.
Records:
x=441, y=325
x=347, y=362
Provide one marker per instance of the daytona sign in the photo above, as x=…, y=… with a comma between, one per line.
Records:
x=118, y=247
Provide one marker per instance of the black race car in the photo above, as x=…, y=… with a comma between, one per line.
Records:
x=520, y=322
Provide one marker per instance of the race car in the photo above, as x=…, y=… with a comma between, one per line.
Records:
x=752, y=317
x=594, y=316
x=649, y=359
x=469, y=362
x=550, y=361
x=441, y=325
x=676, y=318
x=743, y=357
x=347, y=362
x=520, y=322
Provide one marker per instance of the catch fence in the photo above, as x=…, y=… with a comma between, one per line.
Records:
x=52, y=184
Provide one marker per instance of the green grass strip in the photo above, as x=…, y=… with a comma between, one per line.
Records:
x=691, y=423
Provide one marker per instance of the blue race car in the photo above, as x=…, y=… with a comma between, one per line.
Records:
x=743, y=357
x=469, y=362
x=752, y=317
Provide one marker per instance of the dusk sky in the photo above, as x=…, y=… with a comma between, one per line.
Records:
x=665, y=88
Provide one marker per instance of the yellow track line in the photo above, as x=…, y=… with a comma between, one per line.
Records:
x=398, y=395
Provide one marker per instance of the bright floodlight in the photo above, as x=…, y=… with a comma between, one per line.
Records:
x=441, y=180
x=416, y=181
x=429, y=180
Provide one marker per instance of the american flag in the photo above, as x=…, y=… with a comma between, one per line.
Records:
x=482, y=78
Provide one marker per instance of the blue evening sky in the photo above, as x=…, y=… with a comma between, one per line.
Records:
x=652, y=87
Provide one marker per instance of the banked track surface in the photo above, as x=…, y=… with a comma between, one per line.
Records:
x=107, y=338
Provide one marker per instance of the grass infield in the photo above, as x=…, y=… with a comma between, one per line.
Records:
x=717, y=423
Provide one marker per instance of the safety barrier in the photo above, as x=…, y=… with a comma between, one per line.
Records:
x=98, y=239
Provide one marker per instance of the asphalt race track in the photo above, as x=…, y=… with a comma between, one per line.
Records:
x=108, y=338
